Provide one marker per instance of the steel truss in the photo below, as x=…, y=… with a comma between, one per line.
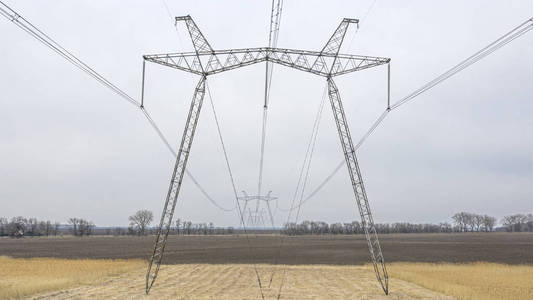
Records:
x=367, y=221
x=315, y=62
x=175, y=184
x=328, y=63
x=256, y=218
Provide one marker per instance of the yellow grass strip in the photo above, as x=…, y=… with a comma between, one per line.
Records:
x=483, y=281
x=239, y=282
x=21, y=277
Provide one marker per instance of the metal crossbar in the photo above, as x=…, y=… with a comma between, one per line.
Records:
x=319, y=63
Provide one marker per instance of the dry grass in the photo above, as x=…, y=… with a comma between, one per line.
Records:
x=238, y=281
x=20, y=277
x=474, y=281
x=51, y=278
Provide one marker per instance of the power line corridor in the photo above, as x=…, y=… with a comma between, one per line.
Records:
x=328, y=63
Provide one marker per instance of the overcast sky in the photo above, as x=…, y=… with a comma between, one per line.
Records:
x=69, y=147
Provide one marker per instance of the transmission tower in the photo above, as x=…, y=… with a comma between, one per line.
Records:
x=328, y=63
x=257, y=217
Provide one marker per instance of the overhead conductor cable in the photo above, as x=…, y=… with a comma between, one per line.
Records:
x=510, y=36
x=46, y=40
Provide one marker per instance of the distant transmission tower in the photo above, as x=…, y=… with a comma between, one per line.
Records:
x=256, y=217
x=328, y=63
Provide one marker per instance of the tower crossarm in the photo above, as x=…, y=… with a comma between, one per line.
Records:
x=333, y=47
x=260, y=198
x=334, y=43
x=200, y=43
x=302, y=60
x=339, y=64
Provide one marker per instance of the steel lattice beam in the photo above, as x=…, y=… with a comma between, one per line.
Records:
x=356, y=178
x=315, y=62
x=328, y=63
x=175, y=184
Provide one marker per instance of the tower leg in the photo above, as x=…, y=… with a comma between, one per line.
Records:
x=357, y=183
x=175, y=184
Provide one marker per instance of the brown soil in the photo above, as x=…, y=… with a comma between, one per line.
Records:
x=506, y=248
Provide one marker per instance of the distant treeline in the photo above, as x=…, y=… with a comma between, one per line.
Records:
x=180, y=227
x=20, y=226
x=462, y=222
x=140, y=222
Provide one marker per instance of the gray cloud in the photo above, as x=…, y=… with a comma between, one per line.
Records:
x=69, y=147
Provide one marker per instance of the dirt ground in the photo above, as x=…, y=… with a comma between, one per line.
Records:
x=505, y=248
x=203, y=281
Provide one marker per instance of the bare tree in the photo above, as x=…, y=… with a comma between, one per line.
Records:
x=470, y=221
x=465, y=221
x=461, y=220
x=488, y=223
x=477, y=220
x=514, y=222
x=140, y=220
x=445, y=227
x=17, y=227
x=45, y=228
x=74, y=226
x=3, y=226
x=32, y=227
x=80, y=227
x=529, y=224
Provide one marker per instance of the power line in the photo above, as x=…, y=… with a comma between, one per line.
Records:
x=230, y=173
x=174, y=23
x=165, y=141
x=484, y=52
x=46, y=40
x=497, y=44
x=275, y=22
x=369, y=8
x=305, y=166
x=241, y=213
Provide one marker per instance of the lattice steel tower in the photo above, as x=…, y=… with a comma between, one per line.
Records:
x=328, y=63
x=256, y=217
